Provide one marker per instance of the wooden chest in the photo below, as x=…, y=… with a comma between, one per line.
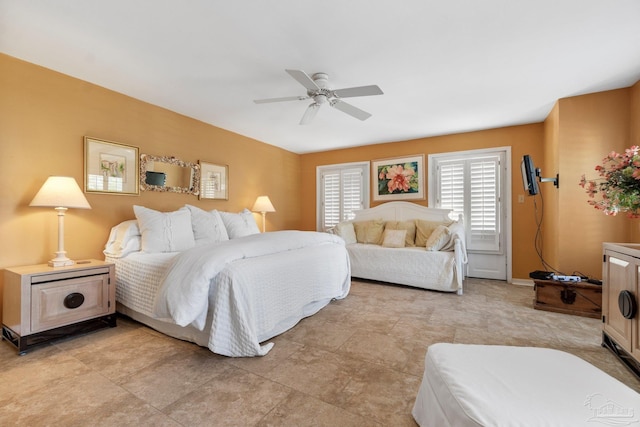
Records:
x=581, y=298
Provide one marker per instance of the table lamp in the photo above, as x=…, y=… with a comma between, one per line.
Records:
x=263, y=205
x=60, y=192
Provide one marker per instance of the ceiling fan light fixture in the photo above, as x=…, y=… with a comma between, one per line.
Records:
x=318, y=89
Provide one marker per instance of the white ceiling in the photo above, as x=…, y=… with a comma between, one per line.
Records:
x=445, y=66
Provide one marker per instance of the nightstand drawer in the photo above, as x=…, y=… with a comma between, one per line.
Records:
x=68, y=301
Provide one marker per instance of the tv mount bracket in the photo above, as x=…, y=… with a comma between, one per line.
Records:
x=556, y=180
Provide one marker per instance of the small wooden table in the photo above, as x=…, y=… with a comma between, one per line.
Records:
x=578, y=298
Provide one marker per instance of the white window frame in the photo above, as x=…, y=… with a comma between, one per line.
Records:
x=338, y=168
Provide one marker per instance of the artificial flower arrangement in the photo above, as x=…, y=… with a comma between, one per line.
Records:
x=618, y=185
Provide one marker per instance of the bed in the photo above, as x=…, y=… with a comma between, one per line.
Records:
x=212, y=278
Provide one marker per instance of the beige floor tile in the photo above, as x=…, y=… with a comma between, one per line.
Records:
x=162, y=383
x=387, y=350
x=382, y=394
x=234, y=398
x=319, y=373
x=318, y=333
x=301, y=410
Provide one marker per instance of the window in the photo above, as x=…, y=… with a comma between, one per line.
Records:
x=342, y=189
x=470, y=185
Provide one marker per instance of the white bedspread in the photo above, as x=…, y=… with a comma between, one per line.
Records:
x=183, y=296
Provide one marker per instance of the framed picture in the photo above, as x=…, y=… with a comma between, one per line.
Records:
x=214, y=181
x=398, y=179
x=110, y=167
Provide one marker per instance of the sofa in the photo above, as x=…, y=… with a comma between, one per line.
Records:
x=407, y=244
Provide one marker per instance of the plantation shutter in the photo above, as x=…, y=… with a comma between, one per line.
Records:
x=342, y=193
x=483, y=204
x=470, y=186
x=331, y=201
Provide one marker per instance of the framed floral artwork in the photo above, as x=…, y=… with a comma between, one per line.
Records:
x=110, y=167
x=401, y=178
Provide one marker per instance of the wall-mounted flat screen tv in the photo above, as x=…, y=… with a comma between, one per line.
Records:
x=529, y=175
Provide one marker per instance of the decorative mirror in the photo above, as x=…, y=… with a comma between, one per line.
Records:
x=169, y=174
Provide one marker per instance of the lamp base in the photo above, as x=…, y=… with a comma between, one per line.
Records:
x=60, y=260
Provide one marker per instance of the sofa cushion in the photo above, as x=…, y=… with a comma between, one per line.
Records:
x=410, y=226
x=369, y=232
x=424, y=229
x=438, y=239
x=347, y=232
x=394, y=238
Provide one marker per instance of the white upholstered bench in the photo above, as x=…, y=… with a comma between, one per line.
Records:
x=481, y=385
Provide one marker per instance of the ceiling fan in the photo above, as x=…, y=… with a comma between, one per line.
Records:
x=318, y=90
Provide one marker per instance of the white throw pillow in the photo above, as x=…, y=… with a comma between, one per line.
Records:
x=165, y=231
x=438, y=239
x=207, y=226
x=347, y=232
x=123, y=239
x=394, y=238
x=240, y=224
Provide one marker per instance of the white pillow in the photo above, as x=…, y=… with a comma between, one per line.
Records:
x=394, y=238
x=164, y=231
x=438, y=239
x=347, y=232
x=240, y=224
x=123, y=239
x=207, y=226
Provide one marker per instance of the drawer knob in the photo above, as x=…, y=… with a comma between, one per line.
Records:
x=73, y=300
x=627, y=304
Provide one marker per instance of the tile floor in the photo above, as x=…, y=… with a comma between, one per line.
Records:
x=358, y=362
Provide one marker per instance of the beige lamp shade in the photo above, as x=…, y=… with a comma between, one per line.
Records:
x=263, y=204
x=60, y=192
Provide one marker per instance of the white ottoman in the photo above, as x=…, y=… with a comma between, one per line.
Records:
x=478, y=385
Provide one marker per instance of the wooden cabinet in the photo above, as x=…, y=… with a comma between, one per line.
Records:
x=621, y=288
x=41, y=303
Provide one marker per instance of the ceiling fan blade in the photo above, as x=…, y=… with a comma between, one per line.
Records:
x=302, y=78
x=310, y=113
x=350, y=110
x=358, y=91
x=286, y=98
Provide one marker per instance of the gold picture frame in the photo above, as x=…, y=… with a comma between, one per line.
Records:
x=110, y=167
x=214, y=181
x=400, y=178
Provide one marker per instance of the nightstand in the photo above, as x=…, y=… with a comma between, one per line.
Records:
x=41, y=303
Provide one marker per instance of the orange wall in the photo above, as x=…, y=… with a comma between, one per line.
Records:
x=549, y=194
x=522, y=140
x=43, y=118
x=590, y=126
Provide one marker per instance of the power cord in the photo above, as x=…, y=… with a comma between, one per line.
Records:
x=538, y=239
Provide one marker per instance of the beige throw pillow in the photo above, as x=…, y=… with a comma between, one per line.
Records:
x=424, y=229
x=438, y=239
x=347, y=232
x=369, y=232
x=394, y=238
x=410, y=226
